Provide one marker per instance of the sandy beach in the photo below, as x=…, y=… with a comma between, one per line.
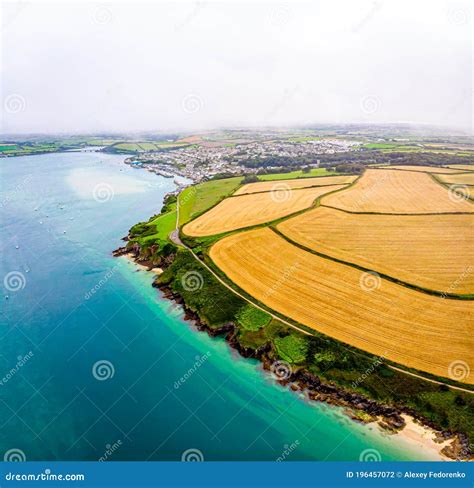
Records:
x=423, y=438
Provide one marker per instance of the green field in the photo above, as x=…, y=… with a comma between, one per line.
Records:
x=140, y=146
x=198, y=198
x=292, y=348
x=165, y=224
x=297, y=174
x=157, y=229
x=8, y=148
x=380, y=145
x=253, y=319
x=51, y=145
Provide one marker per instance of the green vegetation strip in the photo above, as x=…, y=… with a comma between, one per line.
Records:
x=315, y=172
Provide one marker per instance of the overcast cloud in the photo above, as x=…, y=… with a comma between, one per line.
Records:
x=161, y=66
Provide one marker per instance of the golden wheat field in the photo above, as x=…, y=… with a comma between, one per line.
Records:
x=295, y=183
x=411, y=328
x=460, y=179
x=400, y=192
x=426, y=169
x=430, y=251
x=465, y=167
x=247, y=210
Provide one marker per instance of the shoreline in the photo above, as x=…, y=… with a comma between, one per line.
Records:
x=423, y=438
x=141, y=266
x=400, y=423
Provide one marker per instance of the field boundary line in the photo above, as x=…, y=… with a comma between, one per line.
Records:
x=423, y=171
x=174, y=236
x=291, y=189
x=448, y=186
x=397, y=214
x=315, y=203
x=427, y=291
x=303, y=331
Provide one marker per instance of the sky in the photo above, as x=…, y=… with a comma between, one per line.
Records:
x=196, y=65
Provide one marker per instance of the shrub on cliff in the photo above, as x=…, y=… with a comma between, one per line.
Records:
x=201, y=292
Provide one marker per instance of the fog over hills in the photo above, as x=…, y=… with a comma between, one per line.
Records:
x=189, y=65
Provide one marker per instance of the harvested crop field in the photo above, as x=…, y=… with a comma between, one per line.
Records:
x=398, y=192
x=426, y=169
x=430, y=251
x=428, y=333
x=247, y=210
x=464, y=167
x=462, y=179
x=293, y=184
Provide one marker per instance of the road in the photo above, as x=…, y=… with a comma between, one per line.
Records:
x=174, y=237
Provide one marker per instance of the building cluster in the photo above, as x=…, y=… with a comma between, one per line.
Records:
x=201, y=162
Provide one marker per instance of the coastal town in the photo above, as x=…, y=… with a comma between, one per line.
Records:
x=200, y=162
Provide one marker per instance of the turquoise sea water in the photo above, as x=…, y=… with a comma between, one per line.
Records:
x=67, y=305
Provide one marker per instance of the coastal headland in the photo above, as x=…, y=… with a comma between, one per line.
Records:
x=435, y=411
